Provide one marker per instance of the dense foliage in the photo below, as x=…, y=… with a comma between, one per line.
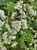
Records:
x=18, y=24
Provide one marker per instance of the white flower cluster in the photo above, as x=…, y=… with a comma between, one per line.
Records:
x=2, y=16
x=1, y=23
x=6, y=39
x=16, y=25
x=31, y=11
x=23, y=15
x=13, y=45
x=24, y=24
x=18, y=5
x=7, y=27
x=13, y=32
x=13, y=14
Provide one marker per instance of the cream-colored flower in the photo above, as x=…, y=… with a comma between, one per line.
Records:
x=23, y=15
x=13, y=14
x=12, y=37
x=21, y=32
x=13, y=45
x=7, y=27
x=21, y=11
x=2, y=15
x=4, y=36
x=1, y=23
x=7, y=41
x=24, y=24
x=18, y=7
x=24, y=7
x=31, y=11
x=16, y=25
x=20, y=2
x=1, y=12
x=13, y=32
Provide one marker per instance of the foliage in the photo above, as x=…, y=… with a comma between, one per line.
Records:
x=20, y=25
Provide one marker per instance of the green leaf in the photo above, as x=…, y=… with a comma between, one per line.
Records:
x=10, y=6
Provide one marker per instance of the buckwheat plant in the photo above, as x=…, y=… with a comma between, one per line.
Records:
x=18, y=26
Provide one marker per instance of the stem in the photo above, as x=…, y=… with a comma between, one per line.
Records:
x=35, y=41
x=7, y=17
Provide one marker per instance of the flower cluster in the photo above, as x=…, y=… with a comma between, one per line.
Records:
x=16, y=25
x=18, y=5
x=2, y=16
x=31, y=11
